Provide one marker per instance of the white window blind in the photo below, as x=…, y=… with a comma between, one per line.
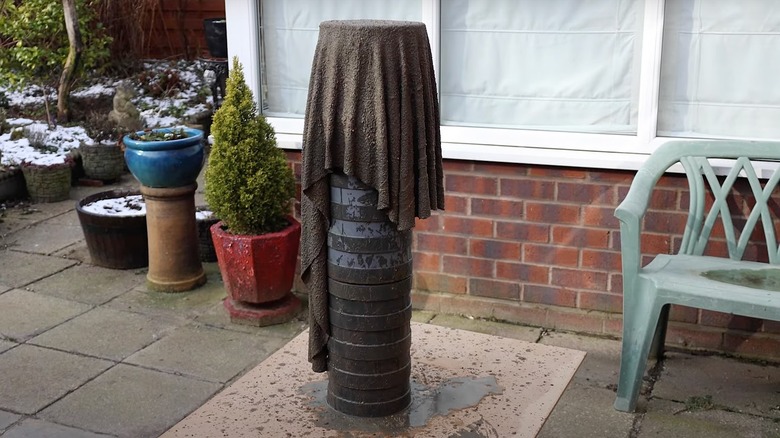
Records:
x=289, y=35
x=720, y=66
x=565, y=65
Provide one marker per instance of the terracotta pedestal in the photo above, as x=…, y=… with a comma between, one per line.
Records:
x=174, y=263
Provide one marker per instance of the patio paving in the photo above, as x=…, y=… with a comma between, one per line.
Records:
x=89, y=352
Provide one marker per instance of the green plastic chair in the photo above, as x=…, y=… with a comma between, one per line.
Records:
x=689, y=278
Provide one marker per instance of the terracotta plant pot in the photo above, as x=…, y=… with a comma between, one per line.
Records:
x=257, y=269
x=116, y=242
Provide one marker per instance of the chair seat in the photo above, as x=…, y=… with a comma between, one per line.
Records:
x=679, y=279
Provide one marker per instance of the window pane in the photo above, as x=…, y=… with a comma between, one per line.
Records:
x=719, y=69
x=565, y=65
x=289, y=34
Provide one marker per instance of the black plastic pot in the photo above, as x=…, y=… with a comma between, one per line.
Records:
x=216, y=36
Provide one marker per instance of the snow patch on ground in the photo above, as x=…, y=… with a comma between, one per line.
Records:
x=60, y=140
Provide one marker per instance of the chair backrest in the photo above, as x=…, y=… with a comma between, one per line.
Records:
x=710, y=193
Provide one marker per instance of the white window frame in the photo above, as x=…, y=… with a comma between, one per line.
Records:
x=571, y=149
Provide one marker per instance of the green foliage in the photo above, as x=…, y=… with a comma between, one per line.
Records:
x=34, y=42
x=249, y=184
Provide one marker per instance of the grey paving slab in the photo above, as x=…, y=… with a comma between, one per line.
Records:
x=34, y=377
x=217, y=316
x=208, y=353
x=7, y=419
x=739, y=386
x=34, y=428
x=189, y=304
x=423, y=316
x=528, y=334
x=5, y=345
x=601, y=367
x=25, y=314
x=128, y=401
x=25, y=215
x=89, y=284
x=45, y=237
x=107, y=333
x=78, y=252
x=669, y=419
x=585, y=411
x=20, y=268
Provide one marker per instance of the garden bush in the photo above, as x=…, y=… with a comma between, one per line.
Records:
x=249, y=184
x=34, y=42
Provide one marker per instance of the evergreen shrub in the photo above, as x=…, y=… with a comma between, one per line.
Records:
x=249, y=184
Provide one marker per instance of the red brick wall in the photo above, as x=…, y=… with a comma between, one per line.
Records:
x=539, y=246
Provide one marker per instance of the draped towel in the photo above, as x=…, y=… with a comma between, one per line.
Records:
x=372, y=112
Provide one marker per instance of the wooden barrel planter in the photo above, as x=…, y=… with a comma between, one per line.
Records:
x=12, y=184
x=113, y=241
x=204, y=219
x=369, y=283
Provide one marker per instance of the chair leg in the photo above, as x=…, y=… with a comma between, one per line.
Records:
x=659, y=339
x=639, y=324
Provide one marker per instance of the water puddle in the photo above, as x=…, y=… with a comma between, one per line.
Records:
x=427, y=402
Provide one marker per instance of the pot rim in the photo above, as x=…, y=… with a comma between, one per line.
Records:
x=220, y=227
x=194, y=136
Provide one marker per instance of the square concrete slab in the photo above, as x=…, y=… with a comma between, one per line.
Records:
x=78, y=252
x=25, y=314
x=132, y=402
x=34, y=377
x=89, y=284
x=217, y=316
x=601, y=367
x=739, y=386
x=586, y=411
x=208, y=353
x=22, y=216
x=669, y=419
x=5, y=345
x=7, y=419
x=20, y=269
x=33, y=428
x=283, y=397
x=46, y=237
x=107, y=333
x=187, y=304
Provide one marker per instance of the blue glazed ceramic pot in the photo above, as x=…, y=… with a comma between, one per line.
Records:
x=165, y=163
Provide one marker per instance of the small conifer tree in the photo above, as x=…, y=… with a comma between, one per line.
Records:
x=249, y=184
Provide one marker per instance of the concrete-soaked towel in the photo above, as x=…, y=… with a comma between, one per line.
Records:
x=372, y=113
